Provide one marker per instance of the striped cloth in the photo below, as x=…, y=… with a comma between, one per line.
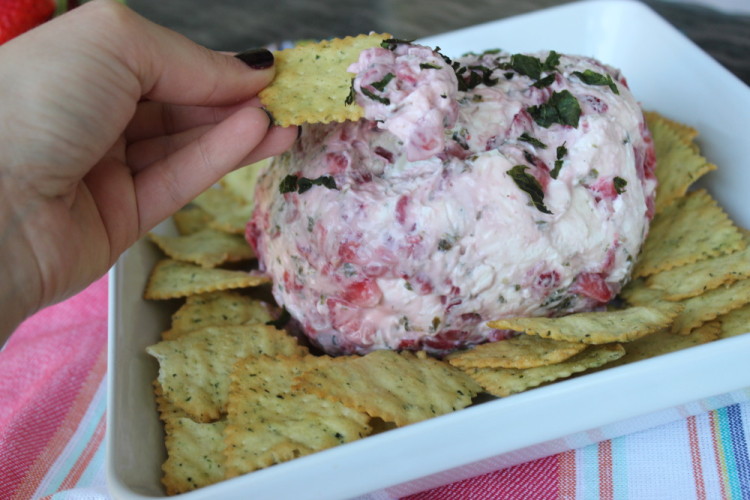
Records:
x=53, y=402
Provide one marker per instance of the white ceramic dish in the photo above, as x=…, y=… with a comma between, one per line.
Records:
x=668, y=74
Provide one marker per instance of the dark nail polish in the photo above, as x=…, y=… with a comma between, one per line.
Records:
x=271, y=119
x=256, y=58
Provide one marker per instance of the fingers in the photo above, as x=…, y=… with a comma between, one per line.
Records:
x=155, y=119
x=171, y=182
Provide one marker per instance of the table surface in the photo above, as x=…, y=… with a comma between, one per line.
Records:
x=240, y=24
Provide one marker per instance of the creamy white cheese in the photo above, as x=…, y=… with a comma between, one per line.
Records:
x=419, y=246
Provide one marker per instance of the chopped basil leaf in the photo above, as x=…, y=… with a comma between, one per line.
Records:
x=392, y=43
x=445, y=244
x=526, y=65
x=529, y=158
x=280, y=322
x=525, y=137
x=350, y=98
x=593, y=78
x=545, y=82
x=556, y=170
x=562, y=107
x=491, y=52
x=288, y=184
x=375, y=97
x=553, y=59
x=561, y=152
x=528, y=184
x=620, y=184
x=292, y=183
x=429, y=66
x=380, y=85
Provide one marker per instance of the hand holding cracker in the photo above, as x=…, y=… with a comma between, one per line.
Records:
x=109, y=132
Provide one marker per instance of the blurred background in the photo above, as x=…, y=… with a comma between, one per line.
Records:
x=720, y=27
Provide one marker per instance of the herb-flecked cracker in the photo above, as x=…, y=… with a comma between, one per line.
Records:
x=678, y=163
x=664, y=341
x=195, y=455
x=397, y=387
x=229, y=211
x=522, y=351
x=312, y=82
x=194, y=369
x=190, y=219
x=735, y=322
x=502, y=382
x=171, y=279
x=711, y=304
x=694, y=279
x=598, y=327
x=217, y=308
x=693, y=228
x=241, y=182
x=206, y=248
x=269, y=422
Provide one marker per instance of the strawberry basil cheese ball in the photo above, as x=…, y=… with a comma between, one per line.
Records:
x=496, y=185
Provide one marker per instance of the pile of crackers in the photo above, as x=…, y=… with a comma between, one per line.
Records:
x=236, y=392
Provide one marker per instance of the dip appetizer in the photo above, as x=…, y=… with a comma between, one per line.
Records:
x=494, y=185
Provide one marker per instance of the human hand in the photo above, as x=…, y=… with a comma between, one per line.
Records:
x=109, y=124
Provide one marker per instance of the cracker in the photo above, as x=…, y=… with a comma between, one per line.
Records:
x=270, y=423
x=522, y=351
x=206, y=248
x=664, y=341
x=190, y=219
x=194, y=369
x=691, y=229
x=312, y=82
x=241, y=182
x=694, y=279
x=710, y=305
x=686, y=133
x=229, y=212
x=171, y=279
x=678, y=163
x=217, y=308
x=502, y=382
x=195, y=455
x=735, y=322
x=402, y=388
x=599, y=327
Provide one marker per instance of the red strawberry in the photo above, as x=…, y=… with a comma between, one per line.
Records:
x=19, y=16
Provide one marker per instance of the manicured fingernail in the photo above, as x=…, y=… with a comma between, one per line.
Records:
x=256, y=58
x=271, y=120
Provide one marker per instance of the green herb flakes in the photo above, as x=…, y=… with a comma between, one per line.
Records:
x=525, y=137
x=292, y=183
x=562, y=107
x=593, y=78
x=528, y=184
x=620, y=184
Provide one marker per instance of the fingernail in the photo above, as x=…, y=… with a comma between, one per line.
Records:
x=256, y=58
x=271, y=120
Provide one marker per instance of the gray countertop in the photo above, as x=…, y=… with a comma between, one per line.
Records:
x=240, y=24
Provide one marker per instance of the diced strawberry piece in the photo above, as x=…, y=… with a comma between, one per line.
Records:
x=364, y=293
x=337, y=162
x=547, y=280
x=594, y=286
x=447, y=340
x=401, y=204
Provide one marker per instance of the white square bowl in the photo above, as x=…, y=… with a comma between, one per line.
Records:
x=669, y=74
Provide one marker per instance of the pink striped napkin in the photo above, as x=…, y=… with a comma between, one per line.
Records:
x=53, y=401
